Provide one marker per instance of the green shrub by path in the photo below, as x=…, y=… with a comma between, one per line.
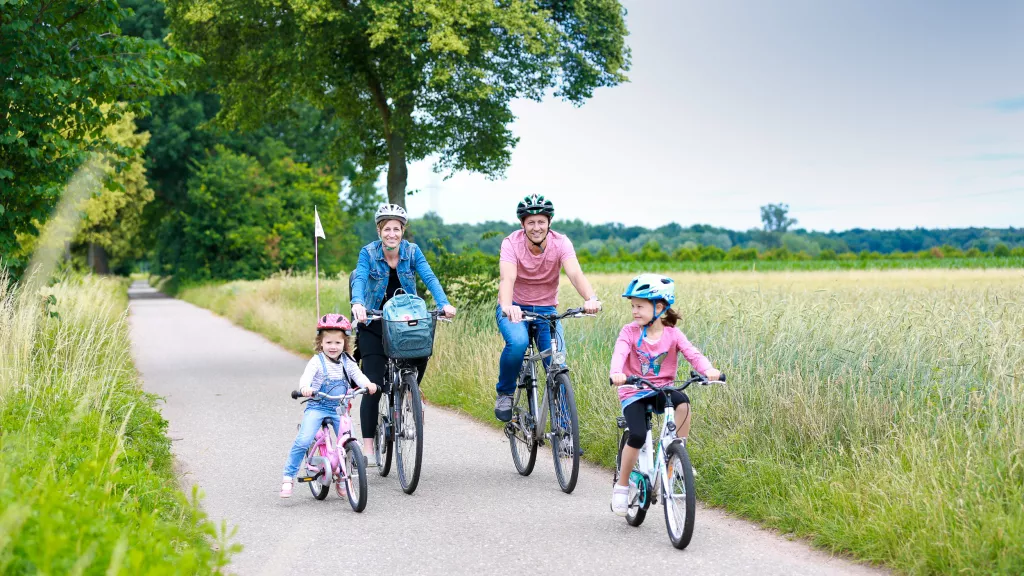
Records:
x=876, y=413
x=86, y=479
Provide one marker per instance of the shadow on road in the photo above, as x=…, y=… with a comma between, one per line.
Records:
x=143, y=291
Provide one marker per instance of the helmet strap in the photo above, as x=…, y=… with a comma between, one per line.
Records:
x=643, y=333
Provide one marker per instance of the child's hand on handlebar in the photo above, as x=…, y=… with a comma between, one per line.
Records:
x=618, y=379
x=306, y=391
x=713, y=375
x=371, y=388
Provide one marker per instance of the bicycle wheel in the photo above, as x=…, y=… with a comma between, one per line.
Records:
x=409, y=433
x=319, y=490
x=355, y=484
x=565, y=433
x=383, y=442
x=637, y=512
x=520, y=430
x=681, y=501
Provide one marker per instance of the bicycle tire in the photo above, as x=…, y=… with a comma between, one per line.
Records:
x=383, y=441
x=636, y=513
x=518, y=430
x=409, y=433
x=565, y=433
x=680, y=476
x=355, y=484
x=318, y=490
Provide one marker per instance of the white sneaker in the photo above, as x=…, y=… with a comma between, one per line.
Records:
x=620, y=500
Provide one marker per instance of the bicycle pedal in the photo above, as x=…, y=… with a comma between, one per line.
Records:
x=304, y=479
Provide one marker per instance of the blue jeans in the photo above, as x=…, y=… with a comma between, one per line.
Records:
x=311, y=420
x=517, y=338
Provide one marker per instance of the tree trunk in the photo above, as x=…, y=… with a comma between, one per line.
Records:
x=398, y=171
x=98, y=259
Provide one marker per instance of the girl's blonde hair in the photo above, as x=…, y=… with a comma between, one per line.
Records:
x=318, y=344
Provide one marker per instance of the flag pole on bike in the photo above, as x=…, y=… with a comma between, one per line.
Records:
x=318, y=232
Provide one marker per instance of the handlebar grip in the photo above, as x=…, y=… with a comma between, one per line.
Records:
x=296, y=394
x=722, y=377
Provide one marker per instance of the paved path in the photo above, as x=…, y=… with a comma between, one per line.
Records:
x=232, y=423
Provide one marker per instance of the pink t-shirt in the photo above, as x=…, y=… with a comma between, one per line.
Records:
x=536, y=275
x=657, y=361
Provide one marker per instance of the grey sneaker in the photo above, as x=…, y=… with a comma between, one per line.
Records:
x=503, y=407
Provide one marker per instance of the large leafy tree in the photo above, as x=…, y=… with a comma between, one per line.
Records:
x=405, y=78
x=62, y=63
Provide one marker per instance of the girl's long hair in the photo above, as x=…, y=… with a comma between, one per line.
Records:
x=669, y=317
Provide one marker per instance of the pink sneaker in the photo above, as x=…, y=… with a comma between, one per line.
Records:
x=286, y=489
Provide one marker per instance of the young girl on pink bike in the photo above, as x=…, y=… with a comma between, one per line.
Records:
x=332, y=371
x=649, y=347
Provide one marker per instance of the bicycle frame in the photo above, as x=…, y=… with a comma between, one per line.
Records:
x=331, y=451
x=532, y=359
x=653, y=464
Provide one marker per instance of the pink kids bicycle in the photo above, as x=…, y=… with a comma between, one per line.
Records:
x=341, y=462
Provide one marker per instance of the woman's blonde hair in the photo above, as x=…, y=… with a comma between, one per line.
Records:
x=318, y=344
x=382, y=223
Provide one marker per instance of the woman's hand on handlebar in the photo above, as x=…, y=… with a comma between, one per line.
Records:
x=359, y=313
x=513, y=312
x=618, y=379
x=306, y=391
x=449, y=311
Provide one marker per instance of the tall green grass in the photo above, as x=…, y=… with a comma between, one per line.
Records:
x=876, y=413
x=811, y=265
x=86, y=479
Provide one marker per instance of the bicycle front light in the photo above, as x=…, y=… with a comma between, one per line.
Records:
x=559, y=358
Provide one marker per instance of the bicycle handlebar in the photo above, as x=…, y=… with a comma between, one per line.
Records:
x=639, y=382
x=317, y=394
x=570, y=313
x=379, y=315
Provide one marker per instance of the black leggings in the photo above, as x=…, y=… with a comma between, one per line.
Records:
x=636, y=415
x=374, y=364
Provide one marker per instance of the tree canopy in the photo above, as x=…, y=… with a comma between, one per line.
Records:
x=62, y=65
x=406, y=79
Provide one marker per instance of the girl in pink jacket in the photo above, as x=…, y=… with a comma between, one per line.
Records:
x=649, y=347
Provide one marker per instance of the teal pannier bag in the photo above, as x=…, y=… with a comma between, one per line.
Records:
x=408, y=328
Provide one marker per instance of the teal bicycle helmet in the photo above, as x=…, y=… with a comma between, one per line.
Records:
x=652, y=287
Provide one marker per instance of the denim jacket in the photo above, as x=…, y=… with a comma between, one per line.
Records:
x=370, y=280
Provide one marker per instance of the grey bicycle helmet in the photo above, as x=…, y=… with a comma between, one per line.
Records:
x=535, y=204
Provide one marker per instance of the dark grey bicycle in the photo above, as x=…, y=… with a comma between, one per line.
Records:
x=530, y=412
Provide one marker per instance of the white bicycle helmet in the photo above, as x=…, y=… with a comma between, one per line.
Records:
x=391, y=212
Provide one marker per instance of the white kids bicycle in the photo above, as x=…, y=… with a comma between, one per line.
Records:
x=666, y=472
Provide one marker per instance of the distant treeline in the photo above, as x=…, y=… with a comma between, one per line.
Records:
x=606, y=242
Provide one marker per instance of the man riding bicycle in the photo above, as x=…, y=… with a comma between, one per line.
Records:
x=531, y=259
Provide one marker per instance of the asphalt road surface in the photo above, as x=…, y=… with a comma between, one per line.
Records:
x=232, y=423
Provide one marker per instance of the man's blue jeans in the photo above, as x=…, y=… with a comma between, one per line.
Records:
x=311, y=420
x=517, y=338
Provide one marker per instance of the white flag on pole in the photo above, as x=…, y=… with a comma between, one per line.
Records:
x=318, y=230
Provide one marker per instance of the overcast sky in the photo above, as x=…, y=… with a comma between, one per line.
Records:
x=857, y=113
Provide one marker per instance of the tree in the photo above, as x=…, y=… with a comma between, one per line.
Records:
x=776, y=218
x=61, y=62
x=405, y=78
x=248, y=217
x=112, y=219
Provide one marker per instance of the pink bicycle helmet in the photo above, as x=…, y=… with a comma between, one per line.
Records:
x=333, y=322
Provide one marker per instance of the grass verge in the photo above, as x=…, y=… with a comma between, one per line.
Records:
x=86, y=479
x=879, y=414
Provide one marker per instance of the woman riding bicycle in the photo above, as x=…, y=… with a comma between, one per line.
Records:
x=384, y=267
x=649, y=347
x=530, y=261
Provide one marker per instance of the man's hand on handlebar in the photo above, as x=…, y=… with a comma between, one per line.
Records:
x=513, y=312
x=592, y=306
x=359, y=312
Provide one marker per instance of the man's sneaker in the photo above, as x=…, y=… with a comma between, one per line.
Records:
x=620, y=499
x=503, y=407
